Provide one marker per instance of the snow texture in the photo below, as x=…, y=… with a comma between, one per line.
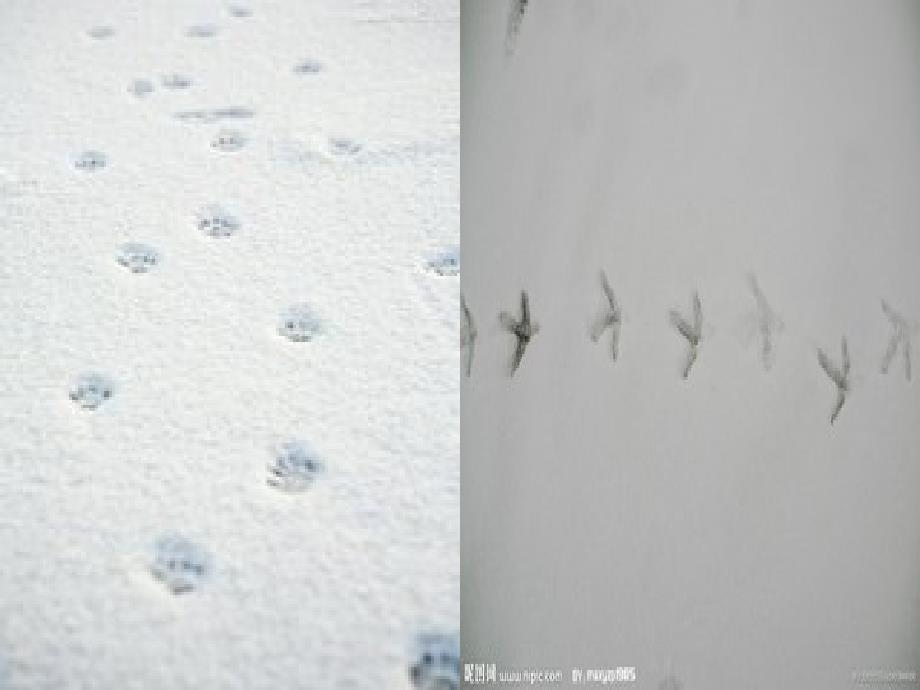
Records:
x=321, y=589
x=618, y=514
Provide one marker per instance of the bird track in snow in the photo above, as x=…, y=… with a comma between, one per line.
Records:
x=839, y=375
x=523, y=329
x=612, y=318
x=692, y=331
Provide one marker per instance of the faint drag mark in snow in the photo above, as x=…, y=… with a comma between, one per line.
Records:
x=299, y=323
x=180, y=564
x=137, y=257
x=295, y=467
x=522, y=329
x=900, y=338
x=468, y=334
x=228, y=140
x=212, y=115
x=216, y=221
x=769, y=325
x=515, y=19
x=446, y=263
x=90, y=390
x=436, y=662
x=692, y=331
x=90, y=161
x=839, y=375
x=317, y=149
x=100, y=32
x=175, y=81
x=612, y=318
x=308, y=67
x=140, y=88
x=205, y=30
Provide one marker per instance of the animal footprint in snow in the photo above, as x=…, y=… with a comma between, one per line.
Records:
x=692, y=331
x=670, y=682
x=299, y=323
x=436, y=662
x=523, y=329
x=239, y=11
x=175, y=81
x=308, y=67
x=768, y=324
x=140, y=88
x=612, y=318
x=342, y=147
x=90, y=161
x=900, y=338
x=228, y=140
x=90, y=390
x=209, y=116
x=101, y=32
x=839, y=375
x=295, y=467
x=137, y=257
x=515, y=18
x=180, y=564
x=446, y=263
x=216, y=221
x=201, y=30
x=468, y=334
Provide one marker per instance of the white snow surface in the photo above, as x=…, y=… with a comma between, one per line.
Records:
x=715, y=530
x=321, y=589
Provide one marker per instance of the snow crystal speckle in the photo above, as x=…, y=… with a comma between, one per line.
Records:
x=436, y=662
x=295, y=467
x=90, y=161
x=137, y=257
x=180, y=564
x=299, y=323
x=228, y=140
x=446, y=263
x=217, y=221
x=90, y=390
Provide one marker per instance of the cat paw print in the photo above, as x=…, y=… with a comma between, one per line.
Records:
x=216, y=221
x=90, y=161
x=137, y=257
x=179, y=564
x=90, y=390
x=436, y=662
x=295, y=467
x=299, y=323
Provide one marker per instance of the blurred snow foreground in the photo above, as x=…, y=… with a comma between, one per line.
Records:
x=223, y=434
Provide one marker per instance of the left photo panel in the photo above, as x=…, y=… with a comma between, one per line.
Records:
x=231, y=348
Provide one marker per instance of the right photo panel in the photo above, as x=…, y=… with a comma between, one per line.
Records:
x=690, y=424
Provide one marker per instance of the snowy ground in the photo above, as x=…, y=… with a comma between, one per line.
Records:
x=327, y=134
x=718, y=529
